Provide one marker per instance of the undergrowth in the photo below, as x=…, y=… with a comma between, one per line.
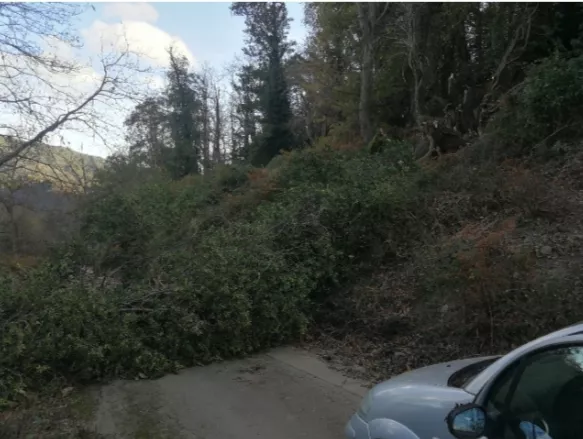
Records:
x=407, y=265
x=498, y=267
x=168, y=274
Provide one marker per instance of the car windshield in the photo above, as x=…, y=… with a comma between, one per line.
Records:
x=463, y=376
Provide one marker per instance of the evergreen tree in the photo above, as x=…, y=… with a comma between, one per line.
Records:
x=184, y=105
x=267, y=26
x=246, y=87
x=148, y=133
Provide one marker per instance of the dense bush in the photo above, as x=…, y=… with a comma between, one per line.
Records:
x=58, y=327
x=553, y=92
x=546, y=107
x=170, y=273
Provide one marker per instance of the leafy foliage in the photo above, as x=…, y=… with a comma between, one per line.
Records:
x=267, y=26
x=545, y=108
x=393, y=65
x=179, y=262
x=170, y=273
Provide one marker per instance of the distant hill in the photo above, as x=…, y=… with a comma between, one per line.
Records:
x=62, y=167
x=37, y=194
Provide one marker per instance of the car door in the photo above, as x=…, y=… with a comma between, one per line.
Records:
x=543, y=387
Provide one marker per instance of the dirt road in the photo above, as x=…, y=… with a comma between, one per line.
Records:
x=281, y=395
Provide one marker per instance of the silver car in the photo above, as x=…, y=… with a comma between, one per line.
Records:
x=533, y=392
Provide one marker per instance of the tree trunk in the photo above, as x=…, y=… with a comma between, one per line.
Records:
x=246, y=136
x=218, y=128
x=235, y=147
x=478, y=40
x=205, y=127
x=366, y=16
x=410, y=37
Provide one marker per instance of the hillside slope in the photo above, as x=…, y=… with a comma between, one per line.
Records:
x=369, y=255
x=362, y=249
x=63, y=167
x=38, y=193
x=499, y=265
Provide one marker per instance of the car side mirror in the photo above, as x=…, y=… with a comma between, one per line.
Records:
x=467, y=421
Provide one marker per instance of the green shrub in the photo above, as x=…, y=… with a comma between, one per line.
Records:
x=205, y=268
x=57, y=328
x=546, y=107
x=553, y=93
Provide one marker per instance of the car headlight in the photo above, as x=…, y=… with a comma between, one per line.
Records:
x=365, y=405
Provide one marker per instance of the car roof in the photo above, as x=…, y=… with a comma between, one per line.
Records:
x=478, y=382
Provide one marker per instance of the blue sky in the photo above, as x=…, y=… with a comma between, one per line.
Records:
x=204, y=32
x=209, y=30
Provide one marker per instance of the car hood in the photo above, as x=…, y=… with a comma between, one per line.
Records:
x=420, y=399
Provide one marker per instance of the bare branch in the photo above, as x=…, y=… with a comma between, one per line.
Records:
x=521, y=32
x=383, y=13
x=44, y=91
x=52, y=127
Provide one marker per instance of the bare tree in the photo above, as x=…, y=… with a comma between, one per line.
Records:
x=522, y=19
x=217, y=154
x=407, y=26
x=204, y=84
x=67, y=170
x=369, y=17
x=212, y=116
x=42, y=92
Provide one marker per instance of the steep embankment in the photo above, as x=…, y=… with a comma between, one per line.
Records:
x=168, y=274
x=498, y=266
x=379, y=262
x=401, y=263
x=370, y=253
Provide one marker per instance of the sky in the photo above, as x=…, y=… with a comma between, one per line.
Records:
x=206, y=33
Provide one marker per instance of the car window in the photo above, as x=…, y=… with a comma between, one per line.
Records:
x=544, y=389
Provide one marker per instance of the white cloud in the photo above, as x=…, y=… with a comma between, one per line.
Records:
x=131, y=11
x=81, y=73
x=155, y=82
x=140, y=37
x=56, y=47
x=132, y=30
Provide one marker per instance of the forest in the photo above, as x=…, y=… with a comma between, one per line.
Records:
x=365, y=68
x=403, y=188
